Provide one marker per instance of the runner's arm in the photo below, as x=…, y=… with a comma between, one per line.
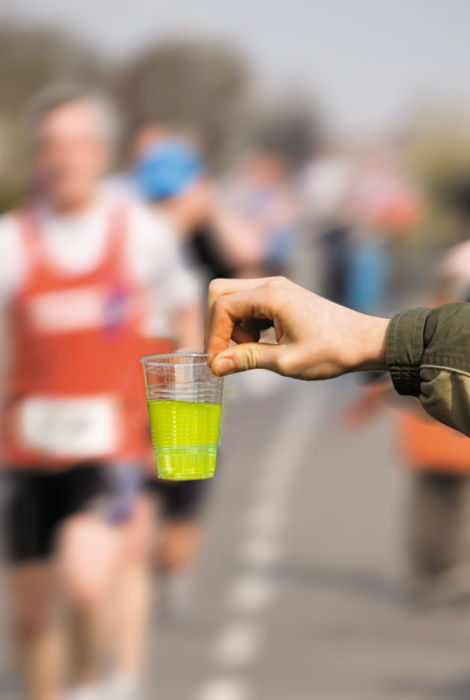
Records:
x=182, y=294
x=12, y=269
x=172, y=291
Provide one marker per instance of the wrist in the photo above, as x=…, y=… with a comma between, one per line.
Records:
x=369, y=339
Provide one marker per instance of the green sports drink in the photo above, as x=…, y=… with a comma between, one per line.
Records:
x=185, y=437
x=184, y=402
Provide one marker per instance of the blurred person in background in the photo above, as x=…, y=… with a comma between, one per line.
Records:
x=384, y=208
x=357, y=206
x=260, y=189
x=438, y=457
x=326, y=188
x=168, y=171
x=83, y=276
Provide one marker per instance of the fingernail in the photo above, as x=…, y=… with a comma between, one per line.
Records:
x=225, y=365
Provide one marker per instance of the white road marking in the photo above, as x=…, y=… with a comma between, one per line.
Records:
x=267, y=516
x=260, y=551
x=238, y=644
x=250, y=593
x=271, y=480
x=224, y=689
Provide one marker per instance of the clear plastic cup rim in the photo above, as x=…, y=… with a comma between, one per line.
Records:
x=164, y=359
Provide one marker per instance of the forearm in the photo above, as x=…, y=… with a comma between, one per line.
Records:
x=427, y=352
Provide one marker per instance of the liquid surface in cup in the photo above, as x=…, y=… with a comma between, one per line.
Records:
x=185, y=438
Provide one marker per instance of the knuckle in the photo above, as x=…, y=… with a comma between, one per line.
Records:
x=214, y=283
x=221, y=306
x=284, y=362
x=275, y=282
x=250, y=357
x=219, y=303
x=215, y=286
x=275, y=289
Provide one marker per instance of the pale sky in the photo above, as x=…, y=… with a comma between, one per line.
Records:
x=369, y=62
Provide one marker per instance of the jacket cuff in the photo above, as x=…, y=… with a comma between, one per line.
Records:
x=404, y=350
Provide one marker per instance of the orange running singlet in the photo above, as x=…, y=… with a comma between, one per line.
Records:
x=73, y=345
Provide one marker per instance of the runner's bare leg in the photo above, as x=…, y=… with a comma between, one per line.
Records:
x=134, y=593
x=88, y=563
x=37, y=630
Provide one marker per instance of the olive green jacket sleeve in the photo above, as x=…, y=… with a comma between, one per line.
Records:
x=428, y=355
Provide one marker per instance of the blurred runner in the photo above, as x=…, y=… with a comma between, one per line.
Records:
x=170, y=174
x=386, y=208
x=438, y=527
x=327, y=182
x=438, y=523
x=261, y=191
x=83, y=277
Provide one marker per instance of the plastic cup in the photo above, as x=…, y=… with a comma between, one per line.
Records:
x=185, y=402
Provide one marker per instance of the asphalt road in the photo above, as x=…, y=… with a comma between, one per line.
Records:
x=302, y=591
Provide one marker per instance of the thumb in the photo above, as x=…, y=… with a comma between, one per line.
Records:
x=246, y=356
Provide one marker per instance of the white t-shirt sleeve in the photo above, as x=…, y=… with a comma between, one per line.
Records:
x=158, y=263
x=12, y=268
x=12, y=261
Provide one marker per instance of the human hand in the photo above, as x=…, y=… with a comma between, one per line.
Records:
x=316, y=338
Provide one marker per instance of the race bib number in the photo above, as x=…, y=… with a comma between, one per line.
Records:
x=79, y=428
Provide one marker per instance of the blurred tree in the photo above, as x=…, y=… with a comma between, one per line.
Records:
x=29, y=59
x=190, y=84
x=290, y=129
x=438, y=147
